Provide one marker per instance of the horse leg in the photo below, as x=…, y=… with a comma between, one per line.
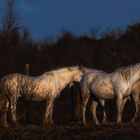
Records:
x=135, y=97
x=123, y=104
x=51, y=114
x=85, y=98
x=13, y=104
x=102, y=102
x=48, y=112
x=119, y=103
x=93, y=110
x=4, y=110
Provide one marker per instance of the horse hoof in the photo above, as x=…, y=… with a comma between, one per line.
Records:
x=49, y=125
x=133, y=120
x=105, y=122
x=119, y=123
x=85, y=124
x=97, y=123
x=16, y=124
x=52, y=125
x=5, y=126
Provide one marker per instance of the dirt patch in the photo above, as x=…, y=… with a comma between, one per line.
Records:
x=73, y=131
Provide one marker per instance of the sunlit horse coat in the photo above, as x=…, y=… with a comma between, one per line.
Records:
x=45, y=87
x=135, y=94
x=116, y=85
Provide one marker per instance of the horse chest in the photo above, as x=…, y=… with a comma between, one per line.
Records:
x=121, y=87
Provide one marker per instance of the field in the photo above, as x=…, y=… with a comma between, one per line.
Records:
x=73, y=131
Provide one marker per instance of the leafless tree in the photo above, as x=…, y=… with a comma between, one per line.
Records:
x=26, y=37
x=11, y=17
x=10, y=25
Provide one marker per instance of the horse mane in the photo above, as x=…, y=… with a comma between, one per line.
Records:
x=128, y=68
x=90, y=70
x=127, y=71
x=51, y=72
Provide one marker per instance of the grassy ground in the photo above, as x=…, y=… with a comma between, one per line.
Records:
x=73, y=131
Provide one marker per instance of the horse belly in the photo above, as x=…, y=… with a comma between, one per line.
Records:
x=35, y=97
x=103, y=91
x=40, y=93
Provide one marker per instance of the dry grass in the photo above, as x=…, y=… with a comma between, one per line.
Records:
x=72, y=131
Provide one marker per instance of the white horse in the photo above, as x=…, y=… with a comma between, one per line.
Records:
x=85, y=81
x=104, y=86
x=135, y=94
x=45, y=87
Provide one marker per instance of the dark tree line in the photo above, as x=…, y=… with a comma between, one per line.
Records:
x=113, y=49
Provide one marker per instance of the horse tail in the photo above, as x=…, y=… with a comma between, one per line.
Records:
x=3, y=96
x=1, y=90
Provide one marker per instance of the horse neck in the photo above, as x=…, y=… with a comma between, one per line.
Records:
x=134, y=75
x=65, y=78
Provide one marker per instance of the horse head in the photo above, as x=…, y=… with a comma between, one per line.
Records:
x=77, y=73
